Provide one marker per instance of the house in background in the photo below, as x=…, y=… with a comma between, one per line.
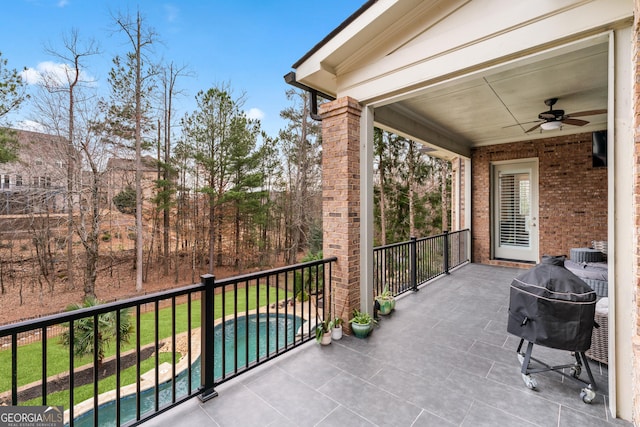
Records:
x=37, y=181
x=520, y=97
x=121, y=174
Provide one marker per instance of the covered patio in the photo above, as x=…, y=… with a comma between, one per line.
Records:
x=442, y=358
x=520, y=102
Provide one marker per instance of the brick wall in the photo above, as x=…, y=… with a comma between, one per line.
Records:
x=572, y=193
x=341, y=200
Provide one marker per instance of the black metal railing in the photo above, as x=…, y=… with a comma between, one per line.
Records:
x=402, y=267
x=183, y=343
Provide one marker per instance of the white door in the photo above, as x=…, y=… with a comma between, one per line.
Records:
x=515, y=210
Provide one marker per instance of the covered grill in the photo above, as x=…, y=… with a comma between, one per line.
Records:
x=551, y=306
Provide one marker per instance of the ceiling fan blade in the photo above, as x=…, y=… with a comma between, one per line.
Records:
x=534, y=128
x=575, y=122
x=587, y=113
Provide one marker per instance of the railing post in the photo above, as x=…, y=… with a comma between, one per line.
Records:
x=414, y=264
x=206, y=338
x=446, y=252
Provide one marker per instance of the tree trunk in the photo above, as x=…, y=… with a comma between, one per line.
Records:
x=70, y=177
x=383, y=208
x=138, y=138
x=445, y=199
x=212, y=234
x=237, y=239
x=410, y=184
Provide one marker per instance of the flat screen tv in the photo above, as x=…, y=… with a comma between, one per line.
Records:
x=599, y=152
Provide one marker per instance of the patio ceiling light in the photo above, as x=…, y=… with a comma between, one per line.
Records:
x=552, y=125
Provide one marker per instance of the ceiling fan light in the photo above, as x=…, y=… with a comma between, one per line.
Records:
x=553, y=125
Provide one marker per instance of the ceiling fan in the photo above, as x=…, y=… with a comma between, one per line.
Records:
x=554, y=119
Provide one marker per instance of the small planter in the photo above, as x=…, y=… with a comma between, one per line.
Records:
x=361, y=330
x=361, y=324
x=336, y=328
x=386, y=301
x=323, y=332
x=336, y=332
x=387, y=305
x=326, y=338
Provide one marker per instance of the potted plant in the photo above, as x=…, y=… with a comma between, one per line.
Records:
x=336, y=328
x=323, y=332
x=361, y=323
x=386, y=301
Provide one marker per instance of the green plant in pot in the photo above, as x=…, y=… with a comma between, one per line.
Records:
x=336, y=328
x=386, y=301
x=361, y=323
x=323, y=332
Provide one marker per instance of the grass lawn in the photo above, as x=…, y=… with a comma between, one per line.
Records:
x=82, y=393
x=30, y=355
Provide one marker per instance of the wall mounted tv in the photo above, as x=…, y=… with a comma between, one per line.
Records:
x=599, y=152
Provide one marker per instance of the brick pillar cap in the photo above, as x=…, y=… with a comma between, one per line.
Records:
x=338, y=106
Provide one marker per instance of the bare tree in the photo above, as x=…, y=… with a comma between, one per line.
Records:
x=168, y=79
x=94, y=154
x=137, y=77
x=72, y=54
x=301, y=148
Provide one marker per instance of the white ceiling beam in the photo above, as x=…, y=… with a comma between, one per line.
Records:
x=393, y=119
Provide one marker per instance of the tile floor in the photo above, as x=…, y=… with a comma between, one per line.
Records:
x=442, y=358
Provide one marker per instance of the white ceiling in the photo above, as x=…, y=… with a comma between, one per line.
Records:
x=499, y=105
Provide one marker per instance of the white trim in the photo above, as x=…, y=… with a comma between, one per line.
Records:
x=611, y=229
x=366, y=210
x=621, y=223
x=531, y=165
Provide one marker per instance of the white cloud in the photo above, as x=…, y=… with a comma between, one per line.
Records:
x=29, y=125
x=63, y=3
x=30, y=76
x=172, y=12
x=255, y=113
x=54, y=74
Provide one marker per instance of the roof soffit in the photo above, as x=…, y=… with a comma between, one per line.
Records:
x=394, y=31
x=442, y=51
x=422, y=35
x=319, y=69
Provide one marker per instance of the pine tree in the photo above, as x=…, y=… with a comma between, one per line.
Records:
x=245, y=179
x=209, y=131
x=12, y=95
x=132, y=82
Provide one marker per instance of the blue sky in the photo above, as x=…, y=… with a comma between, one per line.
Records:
x=248, y=44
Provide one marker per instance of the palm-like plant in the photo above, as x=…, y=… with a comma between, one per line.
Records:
x=83, y=330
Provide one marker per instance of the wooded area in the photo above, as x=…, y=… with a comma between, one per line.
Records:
x=221, y=195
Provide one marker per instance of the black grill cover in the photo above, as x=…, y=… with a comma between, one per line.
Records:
x=550, y=306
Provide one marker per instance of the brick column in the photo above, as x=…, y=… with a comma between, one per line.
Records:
x=341, y=201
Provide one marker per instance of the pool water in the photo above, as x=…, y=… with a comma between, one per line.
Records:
x=279, y=327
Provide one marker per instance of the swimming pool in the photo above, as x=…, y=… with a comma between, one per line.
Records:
x=279, y=327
